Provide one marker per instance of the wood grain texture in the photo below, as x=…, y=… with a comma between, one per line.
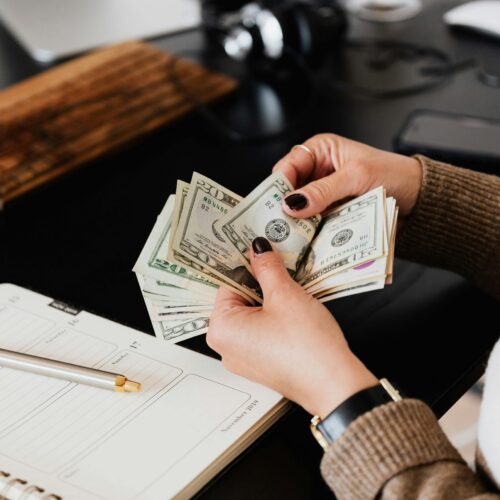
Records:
x=91, y=106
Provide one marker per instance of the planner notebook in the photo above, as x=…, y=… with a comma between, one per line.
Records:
x=65, y=440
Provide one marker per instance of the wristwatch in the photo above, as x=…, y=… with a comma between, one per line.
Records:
x=326, y=431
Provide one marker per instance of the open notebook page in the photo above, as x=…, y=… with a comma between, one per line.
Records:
x=77, y=441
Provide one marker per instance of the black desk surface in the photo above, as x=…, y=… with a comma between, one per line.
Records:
x=78, y=239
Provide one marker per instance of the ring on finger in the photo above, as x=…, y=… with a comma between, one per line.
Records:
x=307, y=150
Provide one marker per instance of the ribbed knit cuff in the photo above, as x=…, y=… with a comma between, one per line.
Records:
x=382, y=443
x=456, y=223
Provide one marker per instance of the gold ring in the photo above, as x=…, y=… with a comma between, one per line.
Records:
x=307, y=150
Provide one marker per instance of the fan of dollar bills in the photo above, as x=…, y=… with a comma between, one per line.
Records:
x=202, y=240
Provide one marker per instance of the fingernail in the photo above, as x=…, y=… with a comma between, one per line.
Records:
x=261, y=245
x=296, y=201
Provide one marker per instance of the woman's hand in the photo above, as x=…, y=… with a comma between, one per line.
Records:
x=291, y=343
x=343, y=168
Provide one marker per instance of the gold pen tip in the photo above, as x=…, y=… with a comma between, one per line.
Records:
x=131, y=386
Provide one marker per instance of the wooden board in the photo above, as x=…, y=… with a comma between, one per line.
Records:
x=88, y=107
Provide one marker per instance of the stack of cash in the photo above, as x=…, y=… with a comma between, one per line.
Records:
x=202, y=240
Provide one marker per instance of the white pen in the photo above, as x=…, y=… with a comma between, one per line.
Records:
x=67, y=371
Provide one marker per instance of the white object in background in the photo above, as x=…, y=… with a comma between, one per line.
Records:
x=53, y=29
x=489, y=430
x=482, y=16
x=384, y=11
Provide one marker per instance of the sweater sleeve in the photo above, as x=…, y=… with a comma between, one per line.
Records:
x=396, y=451
x=455, y=224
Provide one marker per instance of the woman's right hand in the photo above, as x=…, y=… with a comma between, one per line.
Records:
x=343, y=168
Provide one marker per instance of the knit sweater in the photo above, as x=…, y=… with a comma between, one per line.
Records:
x=398, y=450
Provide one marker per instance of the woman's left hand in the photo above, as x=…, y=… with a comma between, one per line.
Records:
x=291, y=343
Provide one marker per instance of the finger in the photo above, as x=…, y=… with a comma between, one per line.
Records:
x=268, y=267
x=318, y=195
x=299, y=166
x=227, y=300
x=230, y=310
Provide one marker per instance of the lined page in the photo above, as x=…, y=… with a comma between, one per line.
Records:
x=93, y=443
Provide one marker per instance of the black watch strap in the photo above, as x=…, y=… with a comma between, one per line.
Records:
x=332, y=426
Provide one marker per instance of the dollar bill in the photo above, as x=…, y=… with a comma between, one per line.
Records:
x=181, y=194
x=202, y=238
x=261, y=214
x=176, y=331
x=170, y=307
x=159, y=290
x=153, y=261
x=157, y=315
x=174, y=300
x=392, y=246
x=370, y=270
x=197, y=239
x=350, y=235
x=354, y=289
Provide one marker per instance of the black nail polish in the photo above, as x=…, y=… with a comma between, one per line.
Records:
x=296, y=201
x=261, y=245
